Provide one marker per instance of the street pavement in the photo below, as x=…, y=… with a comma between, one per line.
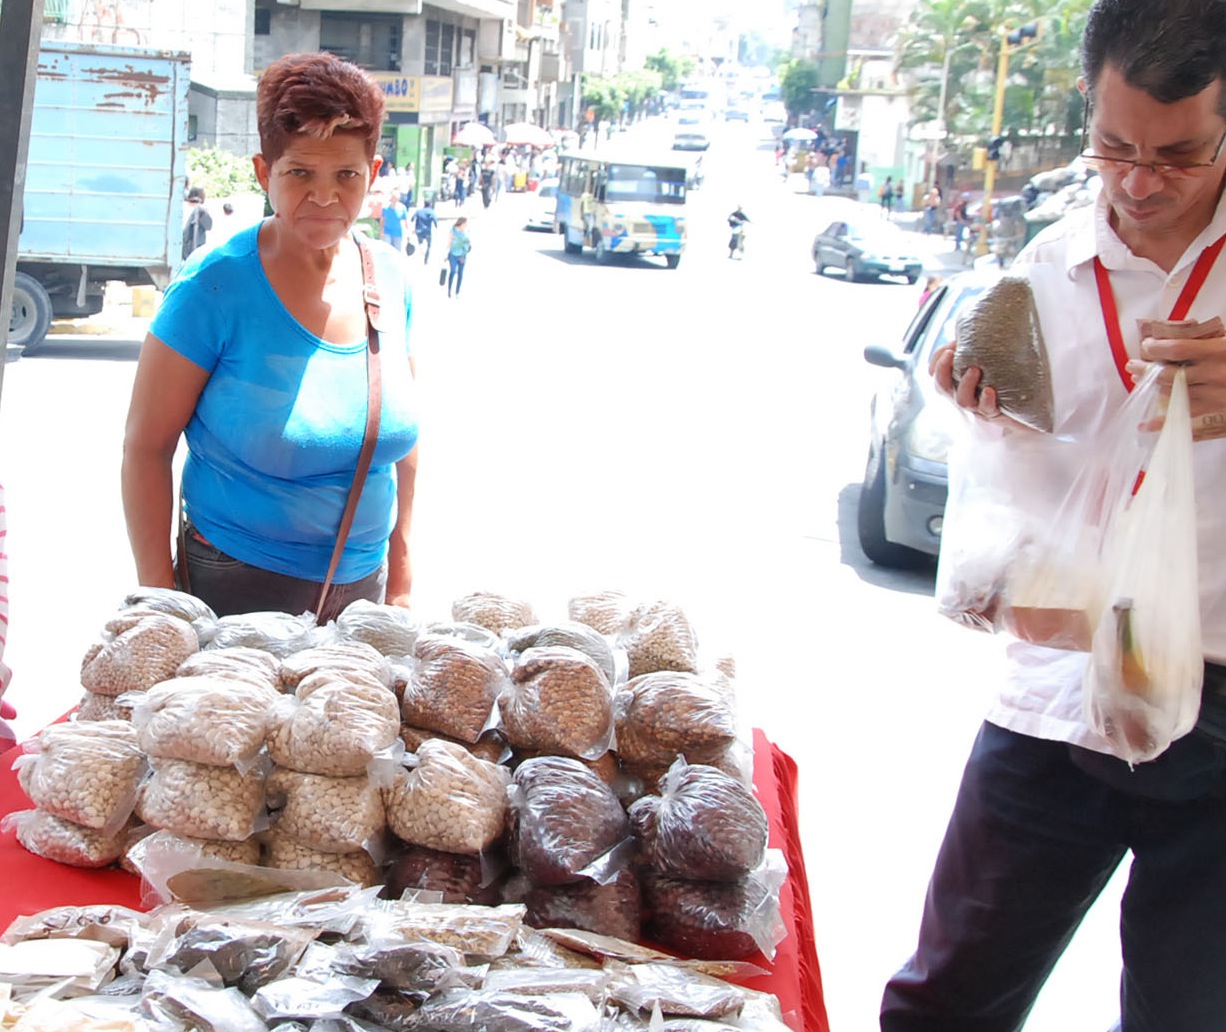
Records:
x=696, y=434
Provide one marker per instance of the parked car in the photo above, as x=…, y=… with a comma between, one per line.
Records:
x=736, y=115
x=906, y=478
x=690, y=140
x=544, y=202
x=866, y=249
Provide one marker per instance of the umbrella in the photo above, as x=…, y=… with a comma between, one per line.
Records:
x=474, y=134
x=800, y=135
x=526, y=133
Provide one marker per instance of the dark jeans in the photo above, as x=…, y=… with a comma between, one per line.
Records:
x=1037, y=830
x=456, y=275
x=230, y=586
x=426, y=239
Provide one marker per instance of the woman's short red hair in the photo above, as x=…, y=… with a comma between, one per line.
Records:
x=316, y=95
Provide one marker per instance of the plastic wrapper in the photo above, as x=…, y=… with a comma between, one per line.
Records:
x=673, y=991
x=461, y=1010
x=206, y=719
x=1210, y=425
x=336, y=728
x=449, y=800
x=245, y=954
x=547, y=981
x=454, y=687
x=235, y=663
x=391, y=630
x=278, y=633
x=559, y=702
x=606, y=612
x=136, y=652
x=1000, y=333
x=456, y=877
x=1143, y=682
x=472, y=633
x=334, y=815
x=288, y=854
x=613, y=908
x=476, y=931
x=103, y=922
x=94, y=707
x=295, y=997
x=420, y=967
x=658, y=636
x=344, y=660
x=177, y=1001
x=491, y=746
x=202, y=801
x=704, y=826
x=389, y=1009
x=566, y=823
x=496, y=613
x=62, y=841
x=717, y=920
x=661, y=716
x=84, y=772
x=61, y=967
x=573, y=635
x=178, y=604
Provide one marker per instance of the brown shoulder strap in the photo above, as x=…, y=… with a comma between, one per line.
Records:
x=374, y=404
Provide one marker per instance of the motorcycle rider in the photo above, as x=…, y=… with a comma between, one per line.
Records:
x=737, y=220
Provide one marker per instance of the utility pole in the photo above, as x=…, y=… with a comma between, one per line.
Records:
x=21, y=25
x=940, y=135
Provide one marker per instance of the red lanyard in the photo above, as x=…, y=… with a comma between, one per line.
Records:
x=1183, y=305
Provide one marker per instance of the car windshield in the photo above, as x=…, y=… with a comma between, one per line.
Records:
x=639, y=183
x=548, y=190
x=884, y=235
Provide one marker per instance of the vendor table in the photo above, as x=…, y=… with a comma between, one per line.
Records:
x=31, y=884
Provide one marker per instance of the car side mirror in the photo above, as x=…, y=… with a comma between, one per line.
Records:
x=876, y=355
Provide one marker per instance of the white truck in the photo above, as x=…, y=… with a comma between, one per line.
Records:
x=105, y=179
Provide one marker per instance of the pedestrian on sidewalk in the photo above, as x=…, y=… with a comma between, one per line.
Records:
x=424, y=222
x=394, y=220
x=886, y=195
x=962, y=219
x=458, y=246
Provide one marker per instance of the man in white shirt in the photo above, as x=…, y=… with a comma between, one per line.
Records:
x=1046, y=812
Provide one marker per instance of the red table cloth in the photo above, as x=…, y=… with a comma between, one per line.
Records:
x=30, y=884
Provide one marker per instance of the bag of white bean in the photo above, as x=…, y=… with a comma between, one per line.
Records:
x=449, y=800
x=136, y=652
x=235, y=663
x=333, y=727
x=349, y=660
x=204, y=720
x=85, y=772
x=334, y=815
x=392, y=630
x=287, y=854
x=94, y=707
x=279, y=633
x=197, y=800
x=53, y=838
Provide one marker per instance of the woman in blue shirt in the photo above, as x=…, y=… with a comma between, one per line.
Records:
x=258, y=356
x=458, y=247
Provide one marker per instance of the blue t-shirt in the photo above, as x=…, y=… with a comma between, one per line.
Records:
x=425, y=220
x=274, y=440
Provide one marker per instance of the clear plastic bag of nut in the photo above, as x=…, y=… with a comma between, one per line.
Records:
x=480, y=932
x=496, y=613
x=54, y=838
x=456, y=877
x=718, y=920
x=205, y=719
x=391, y=630
x=237, y=662
x=445, y=798
x=87, y=772
x=454, y=687
x=420, y=967
x=663, y=715
x=558, y=702
x=175, y=603
x=658, y=636
x=171, y=1000
x=344, y=660
x=331, y=814
x=599, y=648
x=334, y=727
x=614, y=908
x=198, y=800
x=703, y=826
x=566, y=825
x=138, y=648
x=281, y=634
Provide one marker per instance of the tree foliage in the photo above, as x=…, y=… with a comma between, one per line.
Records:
x=673, y=69
x=798, y=81
x=220, y=173
x=612, y=97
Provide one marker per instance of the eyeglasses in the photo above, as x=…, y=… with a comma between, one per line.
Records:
x=1166, y=169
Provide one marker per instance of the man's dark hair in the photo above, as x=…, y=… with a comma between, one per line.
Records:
x=1171, y=49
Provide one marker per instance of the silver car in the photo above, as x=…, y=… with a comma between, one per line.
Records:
x=906, y=479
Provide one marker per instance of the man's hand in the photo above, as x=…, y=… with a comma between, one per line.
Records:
x=1203, y=361
x=966, y=393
